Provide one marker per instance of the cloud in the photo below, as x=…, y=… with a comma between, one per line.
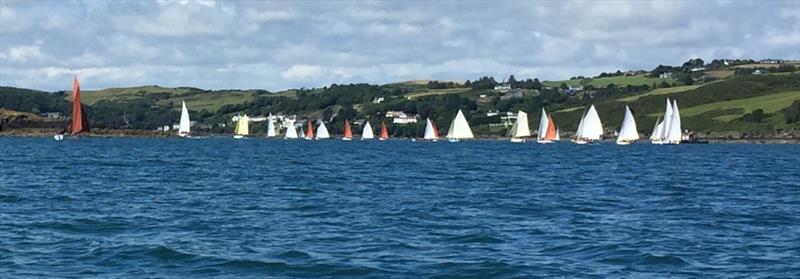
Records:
x=277, y=45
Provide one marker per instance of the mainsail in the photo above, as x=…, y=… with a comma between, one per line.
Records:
x=79, y=121
x=384, y=132
x=185, y=125
x=430, y=131
x=271, y=126
x=551, y=130
x=242, y=126
x=310, y=130
x=322, y=131
x=628, y=131
x=674, y=136
x=291, y=132
x=367, y=132
x=348, y=133
x=459, y=128
x=543, y=123
x=521, y=128
x=590, y=127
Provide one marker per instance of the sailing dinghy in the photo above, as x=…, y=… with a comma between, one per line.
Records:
x=627, y=132
x=459, y=129
x=348, y=133
x=520, y=131
x=590, y=129
x=384, y=132
x=322, y=131
x=367, y=133
x=79, y=122
x=291, y=132
x=310, y=131
x=271, y=126
x=430, y=131
x=242, y=127
x=184, y=128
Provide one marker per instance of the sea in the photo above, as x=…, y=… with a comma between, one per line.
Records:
x=255, y=208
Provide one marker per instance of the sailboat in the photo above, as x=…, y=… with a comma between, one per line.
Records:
x=543, y=124
x=459, y=129
x=663, y=127
x=590, y=128
x=80, y=122
x=656, y=134
x=184, y=126
x=310, y=131
x=348, y=133
x=367, y=133
x=520, y=131
x=291, y=132
x=322, y=131
x=271, y=126
x=674, y=135
x=242, y=127
x=430, y=131
x=627, y=132
x=550, y=134
x=384, y=132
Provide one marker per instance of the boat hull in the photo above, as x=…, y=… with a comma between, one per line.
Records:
x=238, y=137
x=544, y=141
x=625, y=142
x=58, y=137
x=454, y=140
x=518, y=140
x=347, y=139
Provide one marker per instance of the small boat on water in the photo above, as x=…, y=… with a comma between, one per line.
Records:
x=668, y=131
x=627, y=132
x=547, y=129
x=80, y=122
x=431, y=132
x=348, y=133
x=310, y=131
x=590, y=129
x=322, y=131
x=384, y=132
x=520, y=130
x=459, y=129
x=291, y=132
x=271, y=126
x=242, y=129
x=366, y=133
x=184, y=127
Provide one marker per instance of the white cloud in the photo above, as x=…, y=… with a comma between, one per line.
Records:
x=302, y=72
x=22, y=53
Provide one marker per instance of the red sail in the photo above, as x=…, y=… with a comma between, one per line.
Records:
x=310, y=131
x=384, y=132
x=79, y=121
x=347, y=132
x=551, y=129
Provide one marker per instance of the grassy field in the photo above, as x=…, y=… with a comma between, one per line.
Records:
x=661, y=91
x=436, y=92
x=769, y=103
x=603, y=82
x=90, y=97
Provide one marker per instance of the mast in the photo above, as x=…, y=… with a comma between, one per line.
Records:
x=79, y=121
x=184, y=126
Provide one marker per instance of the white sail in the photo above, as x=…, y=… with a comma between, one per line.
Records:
x=592, y=126
x=674, y=135
x=558, y=135
x=322, y=132
x=302, y=132
x=367, y=133
x=543, y=123
x=521, y=128
x=270, y=126
x=579, y=132
x=666, y=122
x=291, y=132
x=628, y=132
x=184, y=127
x=656, y=135
x=459, y=128
x=430, y=134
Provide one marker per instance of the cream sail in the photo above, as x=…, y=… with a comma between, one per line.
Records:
x=521, y=129
x=628, y=132
x=590, y=128
x=459, y=128
x=242, y=127
x=184, y=128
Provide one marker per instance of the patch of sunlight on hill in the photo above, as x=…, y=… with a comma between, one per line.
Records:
x=769, y=103
x=605, y=81
x=437, y=92
x=661, y=91
x=90, y=97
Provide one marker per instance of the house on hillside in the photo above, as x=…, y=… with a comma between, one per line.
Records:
x=399, y=117
x=665, y=75
x=502, y=88
x=771, y=61
x=377, y=100
x=513, y=93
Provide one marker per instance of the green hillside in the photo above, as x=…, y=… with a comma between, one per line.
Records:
x=605, y=81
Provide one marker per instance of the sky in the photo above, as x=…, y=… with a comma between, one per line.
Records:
x=277, y=45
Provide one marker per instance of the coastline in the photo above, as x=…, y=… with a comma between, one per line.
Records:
x=113, y=133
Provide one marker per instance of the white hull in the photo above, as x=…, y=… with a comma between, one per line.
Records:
x=544, y=141
x=58, y=137
x=518, y=140
x=382, y=139
x=583, y=141
x=347, y=139
x=625, y=142
x=454, y=140
x=238, y=136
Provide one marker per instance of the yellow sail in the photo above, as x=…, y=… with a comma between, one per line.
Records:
x=242, y=126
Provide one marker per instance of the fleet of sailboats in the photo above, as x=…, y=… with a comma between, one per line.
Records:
x=668, y=130
x=520, y=130
x=590, y=128
x=627, y=132
x=459, y=129
x=242, y=127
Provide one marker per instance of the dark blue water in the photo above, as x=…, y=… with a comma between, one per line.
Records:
x=250, y=208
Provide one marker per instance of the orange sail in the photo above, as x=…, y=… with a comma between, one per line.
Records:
x=79, y=121
x=551, y=129
x=348, y=133
x=384, y=131
x=435, y=130
x=310, y=131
